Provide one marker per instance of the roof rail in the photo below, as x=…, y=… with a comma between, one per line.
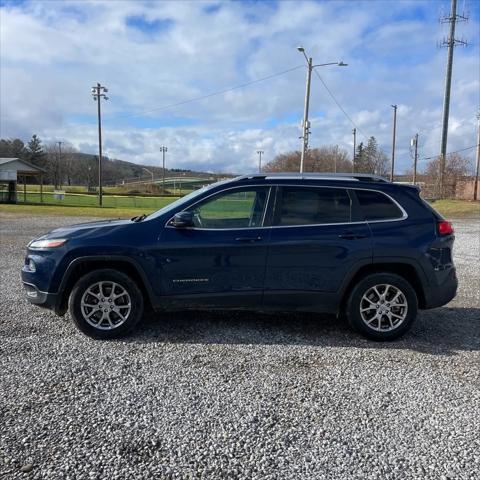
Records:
x=362, y=177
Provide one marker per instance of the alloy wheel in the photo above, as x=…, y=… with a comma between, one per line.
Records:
x=105, y=305
x=383, y=307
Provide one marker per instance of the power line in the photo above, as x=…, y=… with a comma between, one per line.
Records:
x=450, y=153
x=339, y=106
x=209, y=95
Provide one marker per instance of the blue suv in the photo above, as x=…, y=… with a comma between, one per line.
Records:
x=351, y=245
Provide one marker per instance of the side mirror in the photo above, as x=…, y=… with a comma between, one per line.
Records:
x=182, y=220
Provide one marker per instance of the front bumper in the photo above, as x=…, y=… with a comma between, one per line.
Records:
x=439, y=294
x=37, y=297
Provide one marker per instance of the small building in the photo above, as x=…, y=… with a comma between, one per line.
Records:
x=11, y=171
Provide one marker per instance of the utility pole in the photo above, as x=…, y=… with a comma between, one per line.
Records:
x=97, y=95
x=415, y=158
x=163, y=150
x=59, y=162
x=306, y=123
x=354, y=131
x=260, y=153
x=475, y=187
x=394, y=140
x=450, y=43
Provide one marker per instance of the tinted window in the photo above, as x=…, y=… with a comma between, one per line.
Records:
x=239, y=208
x=377, y=206
x=306, y=206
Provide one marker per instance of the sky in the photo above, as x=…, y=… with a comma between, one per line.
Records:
x=155, y=57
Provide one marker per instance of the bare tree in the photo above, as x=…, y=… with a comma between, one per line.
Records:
x=324, y=159
x=70, y=166
x=456, y=168
x=54, y=165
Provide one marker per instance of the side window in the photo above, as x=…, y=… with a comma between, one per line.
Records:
x=314, y=205
x=238, y=208
x=377, y=206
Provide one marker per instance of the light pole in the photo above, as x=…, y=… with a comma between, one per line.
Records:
x=97, y=95
x=354, y=131
x=475, y=187
x=163, y=150
x=260, y=153
x=306, y=123
x=150, y=172
x=393, y=140
x=415, y=158
x=59, y=162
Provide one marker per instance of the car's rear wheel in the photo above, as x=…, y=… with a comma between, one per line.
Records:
x=106, y=304
x=382, y=306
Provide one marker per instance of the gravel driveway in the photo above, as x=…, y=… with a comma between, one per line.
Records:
x=238, y=395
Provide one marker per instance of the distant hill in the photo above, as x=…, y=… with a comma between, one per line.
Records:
x=116, y=171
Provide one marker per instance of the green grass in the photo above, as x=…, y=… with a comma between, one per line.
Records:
x=55, y=210
x=448, y=208
x=113, y=201
x=457, y=208
x=124, y=189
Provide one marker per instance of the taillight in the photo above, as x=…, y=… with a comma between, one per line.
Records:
x=444, y=228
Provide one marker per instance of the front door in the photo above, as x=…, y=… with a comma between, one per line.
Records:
x=315, y=243
x=220, y=261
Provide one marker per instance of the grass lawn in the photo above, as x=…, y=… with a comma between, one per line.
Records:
x=448, y=208
x=78, y=200
x=104, y=212
x=457, y=208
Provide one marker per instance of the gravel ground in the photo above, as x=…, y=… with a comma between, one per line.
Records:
x=238, y=395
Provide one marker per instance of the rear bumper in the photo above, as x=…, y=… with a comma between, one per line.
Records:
x=445, y=289
x=37, y=297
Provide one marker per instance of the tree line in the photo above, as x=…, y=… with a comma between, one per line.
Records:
x=369, y=158
x=64, y=165
x=67, y=166
x=332, y=158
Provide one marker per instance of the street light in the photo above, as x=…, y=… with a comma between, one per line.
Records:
x=163, y=150
x=97, y=96
x=260, y=153
x=306, y=123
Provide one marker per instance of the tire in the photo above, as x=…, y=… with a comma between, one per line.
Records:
x=106, y=304
x=373, y=315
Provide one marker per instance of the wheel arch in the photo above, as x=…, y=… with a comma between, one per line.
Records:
x=405, y=270
x=83, y=265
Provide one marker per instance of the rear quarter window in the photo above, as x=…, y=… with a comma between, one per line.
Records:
x=377, y=206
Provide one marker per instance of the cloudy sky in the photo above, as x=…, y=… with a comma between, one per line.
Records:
x=156, y=56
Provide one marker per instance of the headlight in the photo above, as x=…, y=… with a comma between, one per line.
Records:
x=50, y=243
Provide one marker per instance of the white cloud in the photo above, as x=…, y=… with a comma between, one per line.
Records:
x=52, y=52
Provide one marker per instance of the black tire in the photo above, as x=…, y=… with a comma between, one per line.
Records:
x=374, y=331
x=117, y=322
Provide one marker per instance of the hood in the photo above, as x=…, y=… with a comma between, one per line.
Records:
x=83, y=229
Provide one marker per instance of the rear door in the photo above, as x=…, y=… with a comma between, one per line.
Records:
x=316, y=241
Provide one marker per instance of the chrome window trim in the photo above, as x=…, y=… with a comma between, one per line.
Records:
x=402, y=210
x=271, y=186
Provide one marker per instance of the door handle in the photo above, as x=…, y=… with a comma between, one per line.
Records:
x=248, y=239
x=351, y=236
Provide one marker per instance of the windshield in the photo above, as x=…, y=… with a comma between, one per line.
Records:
x=179, y=202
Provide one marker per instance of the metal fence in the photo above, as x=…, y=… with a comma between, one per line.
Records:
x=85, y=200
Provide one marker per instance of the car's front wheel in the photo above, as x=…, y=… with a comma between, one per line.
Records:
x=106, y=304
x=382, y=306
